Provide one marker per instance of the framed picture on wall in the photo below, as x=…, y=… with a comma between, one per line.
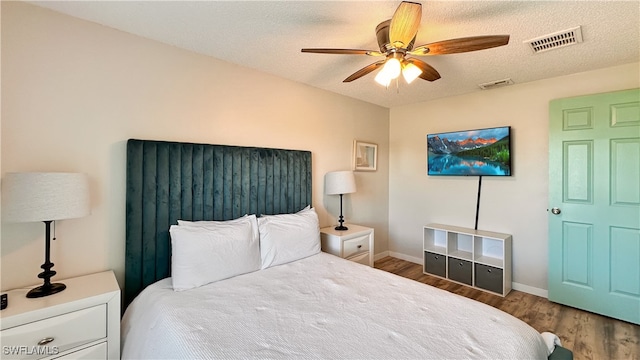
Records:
x=365, y=156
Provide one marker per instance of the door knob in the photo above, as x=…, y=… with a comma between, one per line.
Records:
x=555, y=211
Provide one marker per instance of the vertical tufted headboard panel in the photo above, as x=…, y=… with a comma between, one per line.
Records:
x=167, y=181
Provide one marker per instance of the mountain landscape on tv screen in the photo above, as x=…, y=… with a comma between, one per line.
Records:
x=445, y=146
x=475, y=152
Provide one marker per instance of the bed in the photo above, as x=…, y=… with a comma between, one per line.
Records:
x=296, y=302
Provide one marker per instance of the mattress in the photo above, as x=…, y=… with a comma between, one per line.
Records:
x=321, y=306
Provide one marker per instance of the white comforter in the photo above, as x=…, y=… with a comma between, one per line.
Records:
x=320, y=307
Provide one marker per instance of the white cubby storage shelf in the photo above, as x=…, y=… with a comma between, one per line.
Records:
x=481, y=259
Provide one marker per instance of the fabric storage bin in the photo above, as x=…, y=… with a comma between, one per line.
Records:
x=460, y=270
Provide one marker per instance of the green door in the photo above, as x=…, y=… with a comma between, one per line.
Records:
x=594, y=203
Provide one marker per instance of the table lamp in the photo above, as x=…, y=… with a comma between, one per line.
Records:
x=46, y=197
x=340, y=183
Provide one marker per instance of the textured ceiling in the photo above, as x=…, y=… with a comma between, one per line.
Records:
x=268, y=36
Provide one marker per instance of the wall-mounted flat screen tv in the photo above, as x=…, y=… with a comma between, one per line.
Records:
x=482, y=152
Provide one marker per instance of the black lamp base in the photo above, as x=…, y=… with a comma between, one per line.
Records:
x=44, y=290
x=47, y=288
x=341, y=218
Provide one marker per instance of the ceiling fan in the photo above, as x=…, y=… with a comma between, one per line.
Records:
x=396, y=38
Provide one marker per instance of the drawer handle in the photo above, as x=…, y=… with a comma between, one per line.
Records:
x=461, y=264
x=488, y=270
x=45, y=341
x=359, y=246
x=436, y=257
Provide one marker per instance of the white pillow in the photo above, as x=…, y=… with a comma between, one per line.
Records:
x=211, y=224
x=202, y=255
x=288, y=237
x=306, y=208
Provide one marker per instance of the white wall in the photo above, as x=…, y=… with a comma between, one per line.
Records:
x=73, y=92
x=515, y=205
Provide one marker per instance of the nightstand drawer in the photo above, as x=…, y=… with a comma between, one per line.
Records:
x=66, y=331
x=98, y=351
x=355, y=245
x=362, y=258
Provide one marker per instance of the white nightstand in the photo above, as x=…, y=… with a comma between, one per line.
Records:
x=355, y=244
x=81, y=322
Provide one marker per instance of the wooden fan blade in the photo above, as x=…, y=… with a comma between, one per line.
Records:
x=343, y=51
x=428, y=72
x=454, y=46
x=404, y=24
x=364, y=71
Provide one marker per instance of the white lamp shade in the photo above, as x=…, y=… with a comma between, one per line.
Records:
x=34, y=196
x=339, y=182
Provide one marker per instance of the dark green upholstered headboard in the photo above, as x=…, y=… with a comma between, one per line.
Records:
x=167, y=181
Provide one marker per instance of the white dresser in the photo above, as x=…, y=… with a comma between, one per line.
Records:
x=355, y=244
x=81, y=322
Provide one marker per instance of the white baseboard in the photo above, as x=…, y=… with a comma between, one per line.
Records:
x=514, y=285
x=396, y=255
x=530, y=290
x=415, y=260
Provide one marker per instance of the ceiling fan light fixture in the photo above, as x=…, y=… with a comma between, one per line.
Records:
x=392, y=67
x=396, y=38
x=410, y=72
x=391, y=70
x=383, y=79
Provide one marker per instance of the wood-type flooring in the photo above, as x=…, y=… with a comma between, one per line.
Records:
x=588, y=335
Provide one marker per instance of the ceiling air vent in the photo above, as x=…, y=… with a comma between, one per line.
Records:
x=556, y=40
x=495, y=84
